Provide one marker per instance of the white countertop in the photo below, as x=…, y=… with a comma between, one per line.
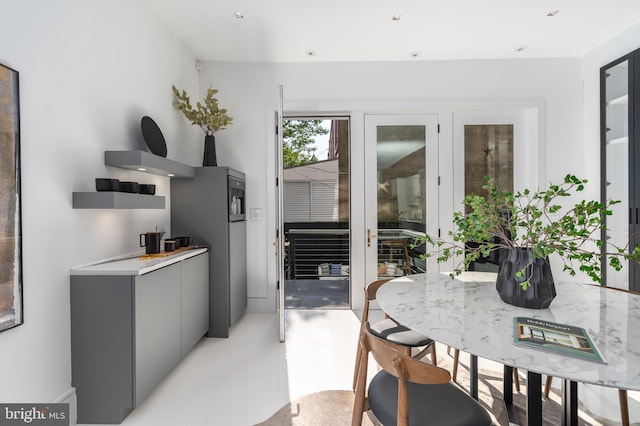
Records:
x=137, y=265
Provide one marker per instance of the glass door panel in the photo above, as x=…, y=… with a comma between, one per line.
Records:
x=616, y=186
x=488, y=153
x=401, y=196
x=405, y=176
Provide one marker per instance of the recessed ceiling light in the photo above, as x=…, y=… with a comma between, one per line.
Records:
x=414, y=54
x=310, y=53
x=520, y=49
x=553, y=13
x=396, y=17
x=239, y=15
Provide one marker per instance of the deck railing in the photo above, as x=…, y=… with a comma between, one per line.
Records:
x=310, y=247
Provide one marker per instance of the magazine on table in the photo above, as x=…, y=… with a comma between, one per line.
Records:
x=559, y=338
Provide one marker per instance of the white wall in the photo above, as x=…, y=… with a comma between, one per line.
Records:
x=89, y=70
x=248, y=90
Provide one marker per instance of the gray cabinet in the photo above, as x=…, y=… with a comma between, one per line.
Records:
x=129, y=331
x=156, y=327
x=200, y=207
x=194, y=300
x=620, y=156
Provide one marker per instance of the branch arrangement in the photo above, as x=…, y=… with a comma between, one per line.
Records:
x=208, y=116
x=534, y=221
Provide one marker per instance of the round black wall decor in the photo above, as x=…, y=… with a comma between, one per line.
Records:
x=153, y=136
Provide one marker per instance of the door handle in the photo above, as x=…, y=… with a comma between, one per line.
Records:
x=276, y=244
x=369, y=237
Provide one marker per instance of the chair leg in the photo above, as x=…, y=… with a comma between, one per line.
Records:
x=431, y=348
x=434, y=356
x=360, y=401
x=356, y=368
x=624, y=407
x=456, y=358
x=547, y=386
x=516, y=380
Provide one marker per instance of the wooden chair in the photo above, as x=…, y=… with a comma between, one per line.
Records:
x=390, y=330
x=622, y=393
x=408, y=391
x=402, y=245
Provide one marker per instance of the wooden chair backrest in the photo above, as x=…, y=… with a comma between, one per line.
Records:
x=372, y=288
x=370, y=294
x=407, y=369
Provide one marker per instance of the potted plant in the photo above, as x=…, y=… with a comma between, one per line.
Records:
x=526, y=227
x=208, y=116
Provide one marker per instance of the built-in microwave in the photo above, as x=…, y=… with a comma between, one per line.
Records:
x=236, y=199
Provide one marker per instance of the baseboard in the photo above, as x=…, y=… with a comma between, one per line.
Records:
x=69, y=397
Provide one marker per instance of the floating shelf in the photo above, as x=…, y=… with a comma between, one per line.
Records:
x=146, y=162
x=116, y=200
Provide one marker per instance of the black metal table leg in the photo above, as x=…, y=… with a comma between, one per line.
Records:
x=507, y=395
x=473, y=381
x=569, y=403
x=534, y=399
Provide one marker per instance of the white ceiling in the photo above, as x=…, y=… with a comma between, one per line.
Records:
x=363, y=30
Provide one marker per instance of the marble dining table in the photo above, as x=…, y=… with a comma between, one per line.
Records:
x=466, y=313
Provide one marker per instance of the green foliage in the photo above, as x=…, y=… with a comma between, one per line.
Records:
x=298, y=137
x=536, y=221
x=208, y=116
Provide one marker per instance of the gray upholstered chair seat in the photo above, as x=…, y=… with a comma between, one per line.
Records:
x=438, y=405
x=390, y=330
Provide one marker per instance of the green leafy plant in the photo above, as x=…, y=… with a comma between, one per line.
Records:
x=536, y=221
x=208, y=115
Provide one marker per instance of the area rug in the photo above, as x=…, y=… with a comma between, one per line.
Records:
x=334, y=407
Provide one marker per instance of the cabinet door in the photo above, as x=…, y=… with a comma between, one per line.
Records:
x=157, y=328
x=617, y=154
x=195, y=300
x=620, y=134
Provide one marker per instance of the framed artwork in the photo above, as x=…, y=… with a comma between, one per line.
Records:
x=10, y=202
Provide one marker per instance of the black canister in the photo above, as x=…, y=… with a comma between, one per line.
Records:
x=170, y=245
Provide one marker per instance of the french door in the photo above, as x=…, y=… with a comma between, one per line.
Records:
x=279, y=195
x=401, y=192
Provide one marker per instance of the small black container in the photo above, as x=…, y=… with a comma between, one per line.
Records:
x=132, y=187
x=107, y=184
x=144, y=188
x=170, y=245
x=183, y=241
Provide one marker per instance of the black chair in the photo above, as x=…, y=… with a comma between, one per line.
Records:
x=408, y=391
